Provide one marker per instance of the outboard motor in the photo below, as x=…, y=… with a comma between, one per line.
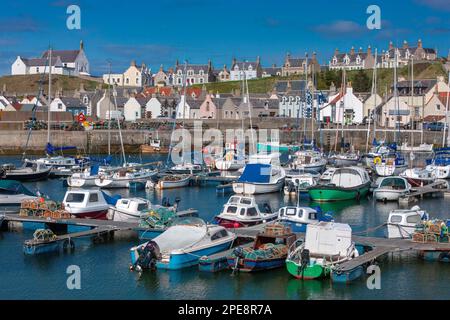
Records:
x=177, y=202
x=304, y=258
x=148, y=257
x=165, y=202
x=291, y=186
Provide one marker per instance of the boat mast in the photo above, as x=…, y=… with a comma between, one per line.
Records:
x=312, y=102
x=49, y=98
x=249, y=109
x=306, y=99
x=397, y=106
x=372, y=113
x=375, y=86
x=444, y=140
x=109, y=110
x=118, y=124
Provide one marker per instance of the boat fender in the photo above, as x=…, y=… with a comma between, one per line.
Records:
x=377, y=160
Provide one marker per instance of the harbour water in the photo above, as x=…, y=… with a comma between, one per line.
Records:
x=105, y=273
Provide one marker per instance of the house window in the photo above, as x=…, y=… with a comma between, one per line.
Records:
x=438, y=107
x=179, y=80
x=128, y=80
x=201, y=72
x=59, y=106
x=207, y=106
x=137, y=80
x=137, y=114
x=201, y=80
x=37, y=69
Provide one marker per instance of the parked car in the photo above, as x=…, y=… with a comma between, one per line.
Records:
x=434, y=126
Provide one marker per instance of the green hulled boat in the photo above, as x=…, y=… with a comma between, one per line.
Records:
x=327, y=244
x=345, y=184
x=274, y=147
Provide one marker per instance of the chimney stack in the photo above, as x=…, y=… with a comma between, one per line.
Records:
x=405, y=44
x=391, y=45
x=419, y=43
x=81, y=45
x=369, y=50
x=352, y=51
x=336, y=51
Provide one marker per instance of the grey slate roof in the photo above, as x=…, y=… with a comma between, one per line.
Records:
x=195, y=67
x=245, y=64
x=296, y=85
x=66, y=56
x=194, y=104
x=272, y=70
x=72, y=102
x=296, y=62
x=39, y=62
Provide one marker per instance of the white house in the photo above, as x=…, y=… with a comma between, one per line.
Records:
x=133, y=108
x=33, y=100
x=68, y=104
x=134, y=76
x=343, y=108
x=183, y=108
x=153, y=108
x=64, y=62
x=252, y=70
x=5, y=104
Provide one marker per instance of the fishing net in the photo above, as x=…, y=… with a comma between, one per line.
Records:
x=44, y=235
x=264, y=252
x=157, y=218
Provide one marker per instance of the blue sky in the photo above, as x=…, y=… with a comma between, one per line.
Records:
x=159, y=32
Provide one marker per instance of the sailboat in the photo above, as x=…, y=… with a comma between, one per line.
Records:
x=232, y=160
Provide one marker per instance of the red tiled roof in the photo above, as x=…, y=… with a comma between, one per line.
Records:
x=165, y=91
x=433, y=118
x=17, y=106
x=194, y=92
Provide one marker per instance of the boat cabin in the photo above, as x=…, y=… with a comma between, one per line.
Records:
x=133, y=204
x=349, y=177
x=394, y=183
x=35, y=166
x=298, y=214
x=276, y=234
x=307, y=157
x=83, y=199
x=402, y=223
x=328, y=239
x=242, y=207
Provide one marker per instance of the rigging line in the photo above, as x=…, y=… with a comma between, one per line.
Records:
x=33, y=115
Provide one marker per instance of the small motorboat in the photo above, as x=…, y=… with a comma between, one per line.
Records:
x=391, y=189
x=268, y=252
x=377, y=152
x=181, y=246
x=85, y=178
x=391, y=164
x=63, y=166
x=123, y=177
x=91, y=204
x=326, y=245
x=418, y=177
x=259, y=178
x=12, y=193
x=402, y=223
x=298, y=218
x=134, y=209
x=345, y=184
x=30, y=171
x=242, y=211
x=299, y=183
x=170, y=182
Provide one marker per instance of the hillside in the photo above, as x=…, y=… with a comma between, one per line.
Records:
x=361, y=80
x=29, y=84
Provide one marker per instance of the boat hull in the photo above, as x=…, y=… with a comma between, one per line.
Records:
x=389, y=170
x=331, y=193
x=349, y=276
x=257, y=188
x=310, y=272
x=98, y=214
x=81, y=182
x=249, y=265
x=173, y=184
x=189, y=259
x=388, y=195
x=224, y=165
x=28, y=176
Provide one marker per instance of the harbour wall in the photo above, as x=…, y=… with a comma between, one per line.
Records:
x=290, y=131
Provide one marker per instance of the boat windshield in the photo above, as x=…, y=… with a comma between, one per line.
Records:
x=191, y=221
x=231, y=209
x=291, y=211
x=75, y=197
x=394, y=183
x=142, y=207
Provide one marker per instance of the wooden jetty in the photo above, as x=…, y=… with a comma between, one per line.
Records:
x=437, y=188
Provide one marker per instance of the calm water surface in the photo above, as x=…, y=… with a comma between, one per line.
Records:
x=105, y=274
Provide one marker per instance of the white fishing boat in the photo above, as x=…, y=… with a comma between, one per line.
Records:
x=86, y=178
x=402, y=223
x=391, y=189
x=170, y=182
x=181, y=246
x=308, y=160
x=375, y=154
x=242, y=211
x=124, y=177
x=260, y=178
x=439, y=165
x=90, y=204
x=391, y=164
x=424, y=148
x=133, y=209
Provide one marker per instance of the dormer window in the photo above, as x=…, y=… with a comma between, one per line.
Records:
x=201, y=72
x=358, y=60
x=250, y=68
x=335, y=61
x=180, y=72
x=190, y=72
